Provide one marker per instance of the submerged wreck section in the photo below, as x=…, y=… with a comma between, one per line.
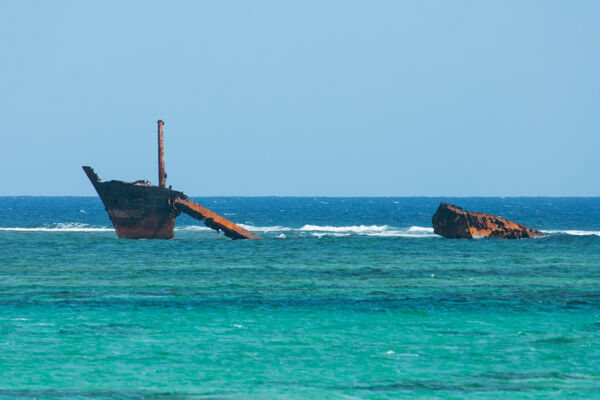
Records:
x=139, y=210
x=453, y=222
x=213, y=220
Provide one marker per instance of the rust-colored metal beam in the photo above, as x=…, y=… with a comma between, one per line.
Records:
x=162, y=175
x=213, y=220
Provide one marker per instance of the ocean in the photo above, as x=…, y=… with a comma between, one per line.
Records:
x=343, y=298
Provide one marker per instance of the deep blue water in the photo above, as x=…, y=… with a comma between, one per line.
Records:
x=295, y=212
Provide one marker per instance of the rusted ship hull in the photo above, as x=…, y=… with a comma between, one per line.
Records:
x=138, y=210
x=142, y=211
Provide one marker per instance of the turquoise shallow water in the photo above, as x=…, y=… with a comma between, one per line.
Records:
x=342, y=299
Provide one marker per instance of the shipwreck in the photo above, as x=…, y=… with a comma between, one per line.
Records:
x=453, y=222
x=140, y=210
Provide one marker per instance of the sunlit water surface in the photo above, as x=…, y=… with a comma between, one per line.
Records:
x=343, y=298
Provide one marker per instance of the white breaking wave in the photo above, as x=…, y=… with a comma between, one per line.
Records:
x=327, y=230
x=423, y=229
x=321, y=234
x=574, y=232
x=352, y=228
x=192, y=228
x=310, y=230
x=369, y=230
x=60, y=227
x=275, y=228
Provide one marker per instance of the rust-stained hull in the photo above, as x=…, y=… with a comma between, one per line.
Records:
x=138, y=210
x=141, y=211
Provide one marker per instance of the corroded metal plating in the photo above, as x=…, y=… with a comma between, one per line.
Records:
x=213, y=220
x=162, y=175
x=139, y=210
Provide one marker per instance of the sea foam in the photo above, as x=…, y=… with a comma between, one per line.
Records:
x=312, y=230
x=60, y=227
x=370, y=230
x=275, y=228
x=573, y=232
x=329, y=230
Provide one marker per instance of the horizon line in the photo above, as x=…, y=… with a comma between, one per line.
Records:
x=341, y=196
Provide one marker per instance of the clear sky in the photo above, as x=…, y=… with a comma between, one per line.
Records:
x=338, y=98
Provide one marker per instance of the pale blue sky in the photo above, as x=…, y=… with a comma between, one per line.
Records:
x=370, y=98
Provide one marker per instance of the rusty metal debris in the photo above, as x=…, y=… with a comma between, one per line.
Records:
x=139, y=210
x=213, y=220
